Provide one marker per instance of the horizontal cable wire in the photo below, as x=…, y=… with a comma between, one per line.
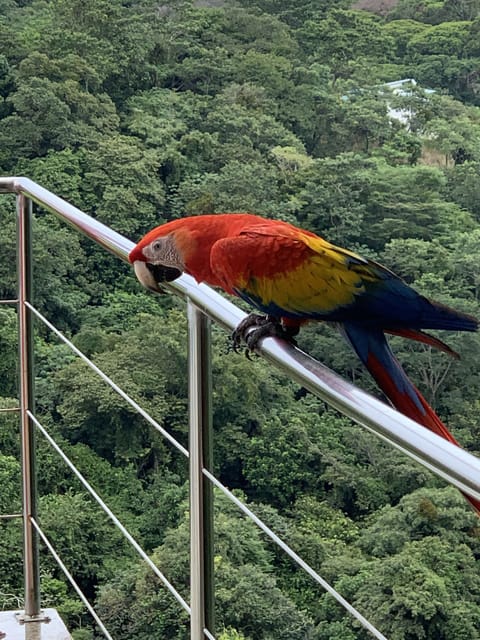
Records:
x=10, y=409
x=109, y=381
x=71, y=579
x=15, y=301
x=273, y=536
x=10, y=516
x=301, y=563
x=110, y=514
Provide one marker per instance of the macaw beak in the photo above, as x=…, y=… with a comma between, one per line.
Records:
x=150, y=275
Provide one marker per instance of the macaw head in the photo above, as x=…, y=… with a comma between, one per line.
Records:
x=156, y=258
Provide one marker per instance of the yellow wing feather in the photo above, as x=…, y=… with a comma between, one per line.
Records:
x=298, y=273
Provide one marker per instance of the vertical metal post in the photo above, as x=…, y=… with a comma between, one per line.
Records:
x=25, y=340
x=201, y=491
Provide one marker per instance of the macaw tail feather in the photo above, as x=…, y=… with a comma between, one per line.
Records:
x=421, y=336
x=373, y=350
x=435, y=315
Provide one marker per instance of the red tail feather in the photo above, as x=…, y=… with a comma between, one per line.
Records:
x=421, y=336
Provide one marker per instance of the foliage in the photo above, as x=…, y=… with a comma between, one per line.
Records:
x=139, y=112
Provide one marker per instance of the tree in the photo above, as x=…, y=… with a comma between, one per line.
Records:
x=330, y=197
x=402, y=32
x=463, y=186
x=365, y=121
x=293, y=459
x=9, y=350
x=423, y=597
x=429, y=12
x=297, y=11
x=466, y=244
x=445, y=39
x=120, y=177
x=463, y=10
x=237, y=186
x=411, y=258
x=248, y=598
x=407, y=202
x=87, y=541
x=342, y=37
x=10, y=479
x=459, y=142
x=90, y=412
x=40, y=121
x=110, y=38
x=58, y=264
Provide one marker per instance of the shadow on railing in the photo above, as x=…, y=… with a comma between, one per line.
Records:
x=455, y=465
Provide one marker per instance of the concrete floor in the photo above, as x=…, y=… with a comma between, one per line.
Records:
x=12, y=629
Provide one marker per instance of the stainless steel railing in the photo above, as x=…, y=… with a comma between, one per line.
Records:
x=446, y=460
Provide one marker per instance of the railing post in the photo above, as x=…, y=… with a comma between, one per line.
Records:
x=25, y=341
x=201, y=491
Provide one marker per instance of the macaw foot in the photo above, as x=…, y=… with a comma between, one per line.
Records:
x=255, y=327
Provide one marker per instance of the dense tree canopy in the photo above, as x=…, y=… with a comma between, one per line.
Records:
x=140, y=112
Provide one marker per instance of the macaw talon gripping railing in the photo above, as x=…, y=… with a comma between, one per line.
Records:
x=455, y=465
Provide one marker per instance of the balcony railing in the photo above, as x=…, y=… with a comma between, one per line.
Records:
x=204, y=305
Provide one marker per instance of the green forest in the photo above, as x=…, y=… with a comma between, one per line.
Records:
x=139, y=112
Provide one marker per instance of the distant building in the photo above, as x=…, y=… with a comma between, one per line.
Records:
x=402, y=88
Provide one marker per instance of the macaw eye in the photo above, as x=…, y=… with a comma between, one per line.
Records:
x=157, y=245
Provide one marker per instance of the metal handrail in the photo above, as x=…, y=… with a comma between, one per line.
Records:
x=453, y=464
x=443, y=458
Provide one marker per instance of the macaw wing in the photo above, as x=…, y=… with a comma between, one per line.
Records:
x=291, y=274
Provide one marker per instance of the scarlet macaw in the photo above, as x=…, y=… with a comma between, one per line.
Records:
x=294, y=276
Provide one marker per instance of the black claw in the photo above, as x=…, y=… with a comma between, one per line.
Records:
x=255, y=327
x=241, y=332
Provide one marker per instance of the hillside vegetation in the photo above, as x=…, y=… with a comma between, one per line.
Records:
x=139, y=112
